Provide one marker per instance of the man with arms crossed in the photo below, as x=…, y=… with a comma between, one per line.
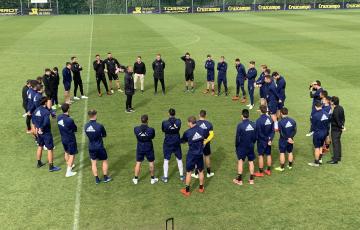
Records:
x=76, y=68
x=41, y=121
x=287, y=129
x=144, y=135
x=139, y=73
x=195, y=138
x=210, y=75
x=244, y=144
x=67, y=130
x=320, y=124
x=96, y=132
x=113, y=67
x=265, y=135
x=67, y=79
x=251, y=75
x=99, y=67
x=158, y=66
x=171, y=128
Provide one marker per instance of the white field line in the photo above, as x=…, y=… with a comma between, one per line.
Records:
x=80, y=174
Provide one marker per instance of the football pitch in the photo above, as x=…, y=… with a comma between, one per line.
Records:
x=303, y=46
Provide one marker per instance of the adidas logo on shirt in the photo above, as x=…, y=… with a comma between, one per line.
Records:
x=173, y=127
x=268, y=122
x=196, y=136
x=143, y=134
x=61, y=123
x=288, y=125
x=90, y=129
x=203, y=126
x=38, y=113
x=249, y=128
x=324, y=117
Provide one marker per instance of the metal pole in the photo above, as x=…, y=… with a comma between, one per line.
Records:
x=343, y=4
x=223, y=5
x=21, y=7
x=50, y=3
x=192, y=6
x=92, y=7
x=284, y=4
x=159, y=6
x=254, y=5
x=126, y=7
x=57, y=7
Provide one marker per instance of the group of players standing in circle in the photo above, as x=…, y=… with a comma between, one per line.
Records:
x=274, y=118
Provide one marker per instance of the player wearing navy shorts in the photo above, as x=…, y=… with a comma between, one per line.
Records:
x=44, y=138
x=210, y=75
x=265, y=135
x=97, y=152
x=260, y=83
x=171, y=127
x=195, y=137
x=287, y=129
x=144, y=135
x=209, y=135
x=251, y=75
x=67, y=130
x=280, y=86
x=272, y=98
x=244, y=144
x=222, y=78
x=320, y=126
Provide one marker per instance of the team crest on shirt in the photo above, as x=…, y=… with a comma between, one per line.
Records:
x=249, y=128
x=38, y=113
x=267, y=122
x=61, y=123
x=324, y=117
x=288, y=125
x=90, y=129
x=203, y=126
x=196, y=136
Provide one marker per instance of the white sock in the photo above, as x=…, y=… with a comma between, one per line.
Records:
x=180, y=166
x=68, y=170
x=276, y=126
x=166, y=167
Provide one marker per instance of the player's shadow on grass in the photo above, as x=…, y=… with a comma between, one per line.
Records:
x=217, y=158
x=121, y=162
x=143, y=102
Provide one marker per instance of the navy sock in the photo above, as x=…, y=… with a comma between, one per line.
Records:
x=290, y=163
x=187, y=188
x=261, y=170
x=208, y=170
x=201, y=186
x=239, y=177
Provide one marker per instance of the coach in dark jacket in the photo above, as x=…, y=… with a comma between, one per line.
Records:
x=337, y=127
x=129, y=89
x=158, y=66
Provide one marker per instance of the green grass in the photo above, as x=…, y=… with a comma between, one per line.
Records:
x=303, y=46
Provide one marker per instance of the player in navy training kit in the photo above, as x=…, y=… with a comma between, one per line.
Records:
x=144, y=135
x=222, y=79
x=280, y=86
x=96, y=132
x=251, y=76
x=67, y=79
x=265, y=134
x=260, y=83
x=244, y=144
x=67, y=130
x=287, y=129
x=320, y=126
x=315, y=93
x=210, y=75
x=172, y=144
x=41, y=121
x=195, y=137
x=273, y=99
x=240, y=81
x=326, y=102
x=209, y=135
